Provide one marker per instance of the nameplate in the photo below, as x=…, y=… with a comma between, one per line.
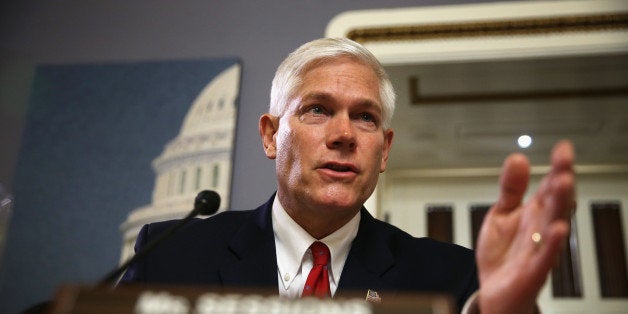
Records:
x=151, y=302
x=158, y=299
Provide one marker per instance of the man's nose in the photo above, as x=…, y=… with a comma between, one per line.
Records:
x=341, y=133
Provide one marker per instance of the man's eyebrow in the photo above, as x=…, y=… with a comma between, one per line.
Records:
x=321, y=96
x=317, y=96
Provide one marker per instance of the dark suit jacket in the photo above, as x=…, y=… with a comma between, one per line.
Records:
x=237, y=249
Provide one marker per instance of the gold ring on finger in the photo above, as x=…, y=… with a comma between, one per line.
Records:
x=537, y=239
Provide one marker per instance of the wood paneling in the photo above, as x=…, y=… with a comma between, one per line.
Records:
x=477, y=217
x=609, y=244
x=440, y=223
x=566, y=276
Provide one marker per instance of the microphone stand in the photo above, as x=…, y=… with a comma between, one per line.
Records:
x=207, y=202
x=113, y=276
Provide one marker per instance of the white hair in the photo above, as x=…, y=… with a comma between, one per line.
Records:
x=290, y=72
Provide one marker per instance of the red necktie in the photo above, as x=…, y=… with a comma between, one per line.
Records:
x=317, y=283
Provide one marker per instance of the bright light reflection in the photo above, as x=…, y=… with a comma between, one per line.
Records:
x=524, y=141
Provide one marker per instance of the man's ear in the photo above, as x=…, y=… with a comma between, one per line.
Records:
x=268, y=126
x=388, y=139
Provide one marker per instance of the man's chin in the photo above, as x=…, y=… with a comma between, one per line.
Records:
x=341, y=201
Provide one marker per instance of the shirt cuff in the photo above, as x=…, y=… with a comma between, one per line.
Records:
x=472, y=306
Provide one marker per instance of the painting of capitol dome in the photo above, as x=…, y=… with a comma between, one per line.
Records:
x=198, y=158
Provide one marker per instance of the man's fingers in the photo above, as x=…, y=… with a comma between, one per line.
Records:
x=561, y=195
x=560, y=201
x=513, y=182
x=563, y=156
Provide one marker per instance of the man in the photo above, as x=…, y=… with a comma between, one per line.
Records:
x=328, y=130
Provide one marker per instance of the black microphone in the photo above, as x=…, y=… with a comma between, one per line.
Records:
x=206, y=203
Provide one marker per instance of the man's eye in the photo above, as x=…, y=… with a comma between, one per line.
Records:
x=314, y=114
x=367, y=117
x=317, y=110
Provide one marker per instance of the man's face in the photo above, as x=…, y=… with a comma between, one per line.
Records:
x=329, y=144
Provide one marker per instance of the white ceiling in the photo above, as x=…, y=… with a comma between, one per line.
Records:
x=481, y=134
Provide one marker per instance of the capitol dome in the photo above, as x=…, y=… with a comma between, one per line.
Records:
x=199, y=158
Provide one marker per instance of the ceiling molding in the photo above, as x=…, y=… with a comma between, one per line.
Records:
x=524, y=26
x=488, y=31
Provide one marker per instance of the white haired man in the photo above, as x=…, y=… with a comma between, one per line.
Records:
x=328, y=130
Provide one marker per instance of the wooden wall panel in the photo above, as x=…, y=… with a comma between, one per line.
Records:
x=609, y=244
x=566, y=276
x=440, y=223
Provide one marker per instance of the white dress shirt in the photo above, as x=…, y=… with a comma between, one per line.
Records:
x=294, y=259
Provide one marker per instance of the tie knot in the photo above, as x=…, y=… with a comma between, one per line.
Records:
x=320, y=252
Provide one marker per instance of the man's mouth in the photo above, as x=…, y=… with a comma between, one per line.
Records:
x=340, y=167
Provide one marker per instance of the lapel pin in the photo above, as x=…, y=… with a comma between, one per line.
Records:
x=373, y=296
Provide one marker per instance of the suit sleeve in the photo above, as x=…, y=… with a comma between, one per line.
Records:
x=135, y=272
x=469, y=294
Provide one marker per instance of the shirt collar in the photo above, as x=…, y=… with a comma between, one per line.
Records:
x=292, y=242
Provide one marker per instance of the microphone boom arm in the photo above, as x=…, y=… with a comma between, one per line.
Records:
x=206, y=202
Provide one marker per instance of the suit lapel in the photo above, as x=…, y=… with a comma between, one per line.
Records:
x=253, y=246
x=369, y=260
x=255, y=263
